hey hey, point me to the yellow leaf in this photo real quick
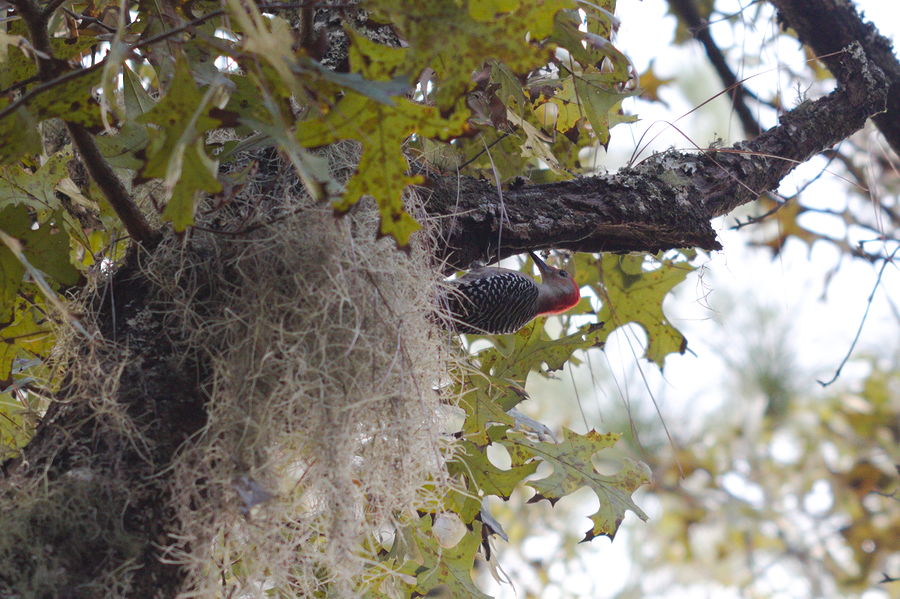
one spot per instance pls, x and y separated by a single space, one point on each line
633 293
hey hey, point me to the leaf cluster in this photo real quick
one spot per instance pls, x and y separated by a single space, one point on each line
153 86
175 95
778 496
490 384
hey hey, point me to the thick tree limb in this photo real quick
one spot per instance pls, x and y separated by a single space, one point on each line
665 202
826 26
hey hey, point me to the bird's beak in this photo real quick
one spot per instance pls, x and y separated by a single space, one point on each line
542 266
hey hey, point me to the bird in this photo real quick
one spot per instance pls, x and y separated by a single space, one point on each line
499 301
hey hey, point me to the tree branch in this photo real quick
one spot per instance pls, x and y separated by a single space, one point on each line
40 40
699 28
111 186
51 7
826 26
665 202
96 165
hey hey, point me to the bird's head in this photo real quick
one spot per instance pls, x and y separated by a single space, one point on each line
558 291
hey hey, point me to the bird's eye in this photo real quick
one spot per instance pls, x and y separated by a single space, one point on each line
564 274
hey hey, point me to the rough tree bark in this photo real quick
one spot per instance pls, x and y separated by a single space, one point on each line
665 202
827 26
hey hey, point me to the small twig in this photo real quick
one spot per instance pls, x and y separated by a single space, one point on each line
51 7
687 11
486 148
753 220
18 84
89 20
837 373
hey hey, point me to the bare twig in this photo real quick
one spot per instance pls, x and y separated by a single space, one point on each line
90 20
837 373
18 84
687 11
780 201
480 152
51 6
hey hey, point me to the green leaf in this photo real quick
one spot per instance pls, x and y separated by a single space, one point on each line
181 117
176 153
28 332
382 130
15 65
380 91
244 101
568 33
455 38
485 478
573 468
631 293
483 403
499 383
37 190
46 246
487 10
198 173
537 143
598 99
20 134
438 567
121 149
584 95
532 348
15 430
568 111
382 171
71 100
509 88
11 273
137 100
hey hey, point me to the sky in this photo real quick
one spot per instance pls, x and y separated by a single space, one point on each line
793 283
823 319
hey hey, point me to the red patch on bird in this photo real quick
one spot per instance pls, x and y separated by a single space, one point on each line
566 302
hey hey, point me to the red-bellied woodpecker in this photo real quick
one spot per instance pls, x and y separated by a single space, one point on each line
498 300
